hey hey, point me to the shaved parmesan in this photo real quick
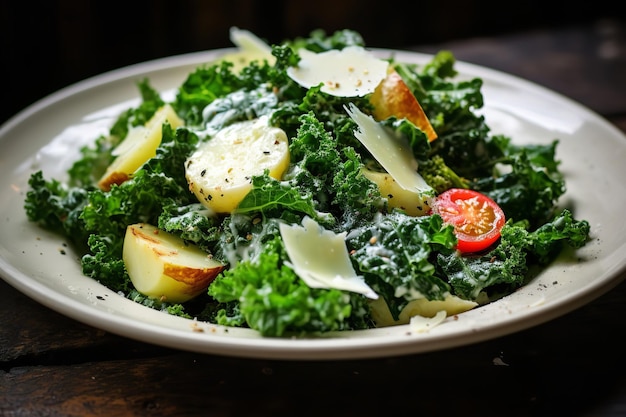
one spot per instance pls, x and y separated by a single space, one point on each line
351 72
248 41
320 258
391 152
421 324
249 48
452 305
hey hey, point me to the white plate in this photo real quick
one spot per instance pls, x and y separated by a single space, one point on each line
47 135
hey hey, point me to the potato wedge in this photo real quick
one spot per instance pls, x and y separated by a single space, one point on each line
163 266
219 173
397 197
138 147
393 97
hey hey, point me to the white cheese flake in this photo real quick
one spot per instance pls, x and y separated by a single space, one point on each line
320 258
420 324
391 152
350 72
249 48
248 41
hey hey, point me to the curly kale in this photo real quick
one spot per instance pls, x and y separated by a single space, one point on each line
202 87
269 297
319 40
523 179
192 223
399 275
506 266
531 187
57 207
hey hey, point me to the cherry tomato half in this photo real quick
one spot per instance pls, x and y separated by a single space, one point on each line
476 218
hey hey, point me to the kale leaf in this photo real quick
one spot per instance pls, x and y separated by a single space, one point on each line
506 266
272 299
57 207
396 255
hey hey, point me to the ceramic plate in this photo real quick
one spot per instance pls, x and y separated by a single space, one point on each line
48 134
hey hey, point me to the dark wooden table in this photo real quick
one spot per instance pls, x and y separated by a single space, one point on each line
573 365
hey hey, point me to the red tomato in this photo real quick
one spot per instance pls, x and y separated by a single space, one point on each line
476 218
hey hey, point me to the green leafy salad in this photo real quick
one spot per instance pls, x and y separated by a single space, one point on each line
308 187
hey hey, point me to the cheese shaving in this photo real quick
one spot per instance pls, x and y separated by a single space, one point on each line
320 258
351 72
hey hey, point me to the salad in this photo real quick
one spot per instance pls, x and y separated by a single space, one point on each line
307 187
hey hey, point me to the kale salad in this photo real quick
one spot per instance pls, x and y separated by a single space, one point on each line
307 187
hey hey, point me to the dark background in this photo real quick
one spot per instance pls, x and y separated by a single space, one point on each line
49 45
